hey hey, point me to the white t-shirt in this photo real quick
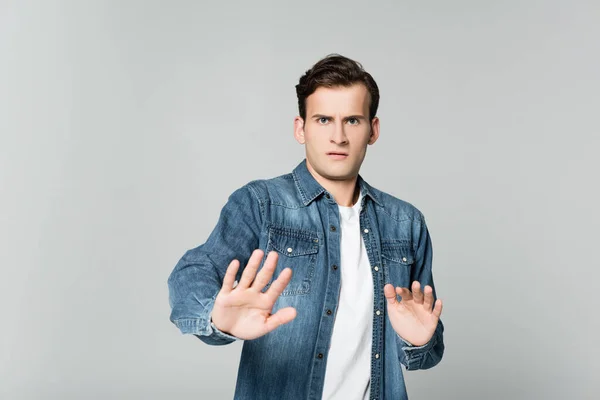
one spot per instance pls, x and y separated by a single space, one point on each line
348 372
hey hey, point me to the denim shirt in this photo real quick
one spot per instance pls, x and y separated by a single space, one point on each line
295 216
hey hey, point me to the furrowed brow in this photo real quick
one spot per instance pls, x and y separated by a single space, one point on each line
358 116
317 116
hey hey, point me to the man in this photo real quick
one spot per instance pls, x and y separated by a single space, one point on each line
306 267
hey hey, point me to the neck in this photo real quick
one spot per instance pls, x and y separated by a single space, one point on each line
344 191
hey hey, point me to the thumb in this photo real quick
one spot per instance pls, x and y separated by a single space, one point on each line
281 317
390 294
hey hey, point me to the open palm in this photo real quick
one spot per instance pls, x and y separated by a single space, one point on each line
244 311
414 318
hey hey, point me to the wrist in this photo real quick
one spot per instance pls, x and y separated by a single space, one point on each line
216 328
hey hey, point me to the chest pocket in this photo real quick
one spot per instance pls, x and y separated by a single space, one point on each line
298 251
398 259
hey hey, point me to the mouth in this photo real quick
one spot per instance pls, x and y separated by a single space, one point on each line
337 155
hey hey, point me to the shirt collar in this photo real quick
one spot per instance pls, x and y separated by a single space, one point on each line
309 189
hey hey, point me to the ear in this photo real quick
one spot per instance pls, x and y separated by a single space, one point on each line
299 130
374 130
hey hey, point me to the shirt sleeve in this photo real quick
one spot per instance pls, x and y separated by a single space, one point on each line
429 354
198 276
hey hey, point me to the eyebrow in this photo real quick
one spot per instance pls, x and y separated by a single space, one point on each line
357 116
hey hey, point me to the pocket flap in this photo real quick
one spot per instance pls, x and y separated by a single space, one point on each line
399 251
293 243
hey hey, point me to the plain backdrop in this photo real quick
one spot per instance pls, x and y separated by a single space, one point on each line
125 125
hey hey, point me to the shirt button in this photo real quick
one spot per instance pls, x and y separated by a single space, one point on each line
328 312
332 228
377 312
366 231
376 268
404 259
320 355
335 266
377 355
289 249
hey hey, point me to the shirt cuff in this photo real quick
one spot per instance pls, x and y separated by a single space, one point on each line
414 354
220 334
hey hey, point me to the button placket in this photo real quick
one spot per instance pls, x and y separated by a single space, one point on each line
371 240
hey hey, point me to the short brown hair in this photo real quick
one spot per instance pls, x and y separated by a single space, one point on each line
335 70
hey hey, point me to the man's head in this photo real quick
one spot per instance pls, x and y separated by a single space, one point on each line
337 101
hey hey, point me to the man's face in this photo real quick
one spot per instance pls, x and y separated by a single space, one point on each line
336 131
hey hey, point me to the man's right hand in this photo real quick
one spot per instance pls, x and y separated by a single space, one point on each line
245 311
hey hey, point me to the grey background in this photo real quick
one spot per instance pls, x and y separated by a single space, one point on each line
126 124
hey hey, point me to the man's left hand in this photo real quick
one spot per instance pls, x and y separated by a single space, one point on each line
414 318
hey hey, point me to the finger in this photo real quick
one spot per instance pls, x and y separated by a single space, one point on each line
266 273
428 302
250 270
416 292
390 294
404 293
281 317
230 274
279 284
437 310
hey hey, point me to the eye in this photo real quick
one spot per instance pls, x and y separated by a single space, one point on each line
353 121
323 120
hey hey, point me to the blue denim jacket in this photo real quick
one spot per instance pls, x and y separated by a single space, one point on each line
294 212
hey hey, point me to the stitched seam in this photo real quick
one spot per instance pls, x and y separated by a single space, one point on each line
294 232
396 219
304 197
419 227
288 206
260 202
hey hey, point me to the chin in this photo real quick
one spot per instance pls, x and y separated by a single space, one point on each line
333 170
336 174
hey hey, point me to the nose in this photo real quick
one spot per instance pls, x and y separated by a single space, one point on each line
339 136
